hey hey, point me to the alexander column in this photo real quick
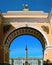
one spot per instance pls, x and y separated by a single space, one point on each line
26 60
26 54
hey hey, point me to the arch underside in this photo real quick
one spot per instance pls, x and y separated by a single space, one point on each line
25 31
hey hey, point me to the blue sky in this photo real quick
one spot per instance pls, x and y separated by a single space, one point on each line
18 45
44 5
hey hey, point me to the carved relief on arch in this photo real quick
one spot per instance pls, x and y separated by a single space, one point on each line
25 31
45 28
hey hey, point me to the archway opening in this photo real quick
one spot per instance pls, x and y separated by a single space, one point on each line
25 31
17 50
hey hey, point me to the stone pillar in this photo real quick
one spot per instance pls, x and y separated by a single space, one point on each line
1 54
4 56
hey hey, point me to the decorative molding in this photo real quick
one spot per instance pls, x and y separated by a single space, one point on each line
45 28
25 31
37 20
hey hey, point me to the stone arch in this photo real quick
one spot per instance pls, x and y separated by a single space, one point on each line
42 32
25 31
